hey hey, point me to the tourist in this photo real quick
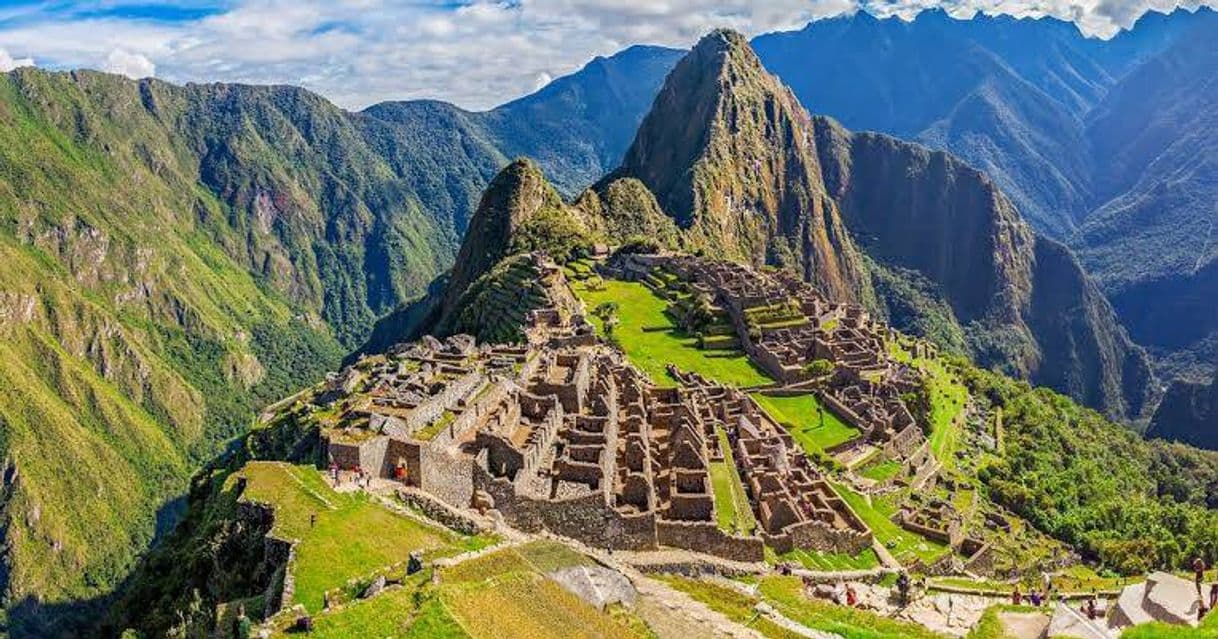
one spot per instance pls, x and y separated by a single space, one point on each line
852 597
839 593
1016 596
334 472
312 519
1091 608
1198 571
241 624
1047 580
903 588
1035 599
1213 595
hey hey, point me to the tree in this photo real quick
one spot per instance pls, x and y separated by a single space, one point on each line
819 367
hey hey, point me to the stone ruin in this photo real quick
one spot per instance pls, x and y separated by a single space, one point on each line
560 433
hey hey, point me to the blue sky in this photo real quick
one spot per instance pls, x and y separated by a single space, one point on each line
477 53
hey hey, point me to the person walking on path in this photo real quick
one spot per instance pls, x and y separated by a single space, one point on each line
1198 571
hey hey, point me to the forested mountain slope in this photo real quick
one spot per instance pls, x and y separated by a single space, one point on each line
176 257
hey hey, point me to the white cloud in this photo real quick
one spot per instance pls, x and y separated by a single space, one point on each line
132 65
8 62
482 53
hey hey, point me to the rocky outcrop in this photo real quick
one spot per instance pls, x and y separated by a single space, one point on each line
729 153
1188 413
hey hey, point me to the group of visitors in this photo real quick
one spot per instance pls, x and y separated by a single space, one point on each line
1035 598
362 478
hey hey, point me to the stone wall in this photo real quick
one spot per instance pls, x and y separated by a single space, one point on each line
368 455
447 476
587 518
818 535
277 555
706 537
431 409
439 511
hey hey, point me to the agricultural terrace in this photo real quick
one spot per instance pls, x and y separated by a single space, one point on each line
877 513
810 423
785 595
651 340
733 512
352 535
506 594
501 594
831 561
948 397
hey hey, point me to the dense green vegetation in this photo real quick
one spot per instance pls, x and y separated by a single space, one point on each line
1129 503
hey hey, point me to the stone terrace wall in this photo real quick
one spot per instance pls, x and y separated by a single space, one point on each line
439 511
447 476
587 518
706 537
278 554
818 535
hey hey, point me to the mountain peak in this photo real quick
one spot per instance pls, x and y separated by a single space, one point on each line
729 153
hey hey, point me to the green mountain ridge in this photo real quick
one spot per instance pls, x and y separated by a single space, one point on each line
178 256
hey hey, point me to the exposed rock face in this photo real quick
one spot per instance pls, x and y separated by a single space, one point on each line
729 153
1188 413
1023 300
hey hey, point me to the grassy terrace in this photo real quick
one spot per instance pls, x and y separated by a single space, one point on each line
813 560
651 340
502 594
732 508
947 400
881 471
785 595
813 426
900 542
353 534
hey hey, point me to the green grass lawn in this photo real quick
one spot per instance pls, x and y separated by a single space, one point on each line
401 613
504 594
785 595
651 341
881 471
814 430
813 560
353 534
732 510
947 400
900 542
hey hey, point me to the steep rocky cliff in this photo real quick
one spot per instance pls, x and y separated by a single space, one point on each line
1188 413
1024 303
728 152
